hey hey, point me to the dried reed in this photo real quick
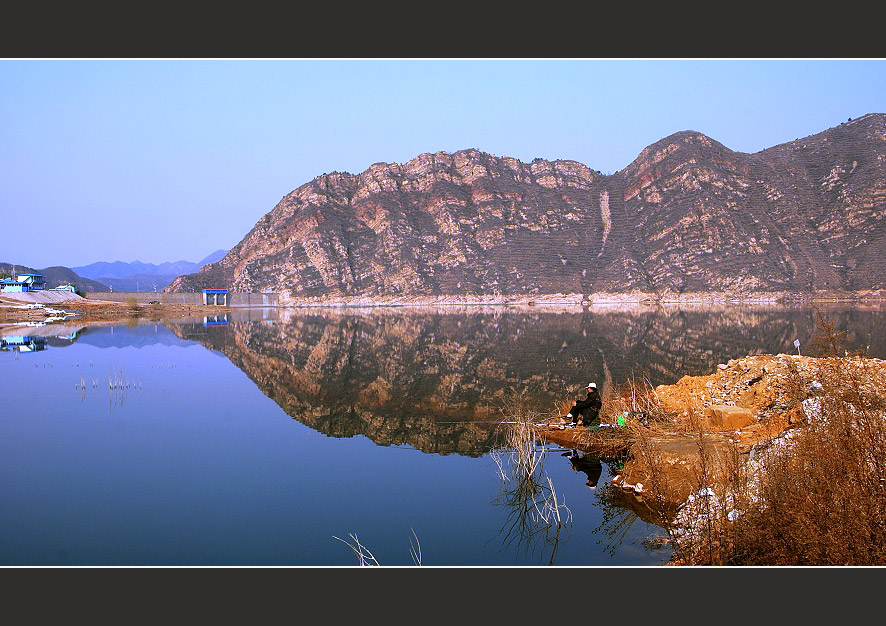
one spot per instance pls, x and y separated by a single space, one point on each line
364 556
535 510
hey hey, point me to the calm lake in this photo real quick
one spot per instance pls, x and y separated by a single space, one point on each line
268 437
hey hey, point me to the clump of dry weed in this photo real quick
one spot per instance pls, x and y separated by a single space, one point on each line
814 496
536 514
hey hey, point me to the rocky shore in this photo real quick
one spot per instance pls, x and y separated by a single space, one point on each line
745 404
700 433
578 301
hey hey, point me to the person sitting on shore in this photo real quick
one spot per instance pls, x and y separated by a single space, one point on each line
588 410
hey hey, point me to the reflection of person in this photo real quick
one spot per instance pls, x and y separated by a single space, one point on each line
588 409
589 465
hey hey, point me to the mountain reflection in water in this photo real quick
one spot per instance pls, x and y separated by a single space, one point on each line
442 381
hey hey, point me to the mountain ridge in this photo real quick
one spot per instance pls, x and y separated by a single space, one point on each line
122 269
124 277
137 276
687 216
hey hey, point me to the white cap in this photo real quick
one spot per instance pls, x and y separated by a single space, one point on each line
592 385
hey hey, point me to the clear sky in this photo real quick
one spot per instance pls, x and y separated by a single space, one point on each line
166 160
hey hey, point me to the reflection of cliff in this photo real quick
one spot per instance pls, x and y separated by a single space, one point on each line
439 381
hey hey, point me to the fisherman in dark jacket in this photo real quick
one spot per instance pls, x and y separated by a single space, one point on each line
588 409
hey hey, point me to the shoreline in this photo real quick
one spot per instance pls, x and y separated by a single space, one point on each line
44 309
602 299
718 434
13 306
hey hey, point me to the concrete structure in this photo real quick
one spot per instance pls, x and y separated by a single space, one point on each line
234 300
215 296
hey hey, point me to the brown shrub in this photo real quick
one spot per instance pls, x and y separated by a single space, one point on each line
821 498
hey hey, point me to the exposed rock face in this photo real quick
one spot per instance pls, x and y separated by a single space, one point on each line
687 216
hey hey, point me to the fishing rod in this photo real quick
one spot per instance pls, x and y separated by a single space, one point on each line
486 422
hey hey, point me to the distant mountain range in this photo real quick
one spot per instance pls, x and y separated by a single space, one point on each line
104 276
138 276
119 269
55 275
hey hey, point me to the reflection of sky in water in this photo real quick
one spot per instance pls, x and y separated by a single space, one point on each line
192 464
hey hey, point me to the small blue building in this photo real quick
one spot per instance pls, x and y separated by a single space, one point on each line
215 296
11 284
23 283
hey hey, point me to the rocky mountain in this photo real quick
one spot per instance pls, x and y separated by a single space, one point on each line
688 217
121 269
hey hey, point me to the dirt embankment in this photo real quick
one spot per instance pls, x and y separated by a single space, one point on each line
51 307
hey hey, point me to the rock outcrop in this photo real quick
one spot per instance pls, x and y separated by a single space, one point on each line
741 408
688 216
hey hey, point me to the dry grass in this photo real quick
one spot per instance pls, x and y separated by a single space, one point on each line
363 554
637 402
822 499
814 496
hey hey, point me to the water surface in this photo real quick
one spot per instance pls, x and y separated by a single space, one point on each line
258 437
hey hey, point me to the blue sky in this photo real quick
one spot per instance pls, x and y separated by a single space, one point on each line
167 160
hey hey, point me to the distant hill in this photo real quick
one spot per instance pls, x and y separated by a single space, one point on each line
138 276
120 269
138 282
59 275
55 276
117 276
